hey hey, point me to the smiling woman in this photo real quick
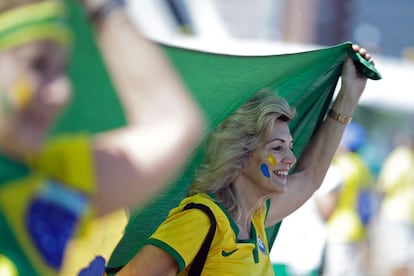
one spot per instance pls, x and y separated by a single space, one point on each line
247 159
245 181
232 143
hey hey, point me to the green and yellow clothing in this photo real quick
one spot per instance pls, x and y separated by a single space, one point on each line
41 211
396 180
345 224
183 232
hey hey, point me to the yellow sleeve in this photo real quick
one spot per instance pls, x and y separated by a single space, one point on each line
182 234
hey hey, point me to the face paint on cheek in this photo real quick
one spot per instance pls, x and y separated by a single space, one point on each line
265 170
17 98
272 160
22 93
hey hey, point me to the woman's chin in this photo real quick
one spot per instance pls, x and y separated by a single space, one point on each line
281 187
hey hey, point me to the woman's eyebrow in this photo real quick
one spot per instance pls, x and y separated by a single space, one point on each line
281 140
278 139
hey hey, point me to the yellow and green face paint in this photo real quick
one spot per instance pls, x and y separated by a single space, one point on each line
19 98
32 22
265 169
22 93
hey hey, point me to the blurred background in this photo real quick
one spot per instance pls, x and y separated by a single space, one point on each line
284 26
385 113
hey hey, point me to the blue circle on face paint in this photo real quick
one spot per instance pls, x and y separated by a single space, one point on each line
265 170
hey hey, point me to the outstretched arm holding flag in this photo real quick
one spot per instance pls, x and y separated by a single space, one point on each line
315 160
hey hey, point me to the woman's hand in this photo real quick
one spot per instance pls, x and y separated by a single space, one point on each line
352 81
90 5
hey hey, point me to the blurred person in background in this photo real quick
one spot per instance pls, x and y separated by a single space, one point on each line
346 249
71 177
394 243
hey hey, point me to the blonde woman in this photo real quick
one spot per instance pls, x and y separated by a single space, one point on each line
246 185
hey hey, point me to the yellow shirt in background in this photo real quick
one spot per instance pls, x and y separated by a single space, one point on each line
396 180
345 224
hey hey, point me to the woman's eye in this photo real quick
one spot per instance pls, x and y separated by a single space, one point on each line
277 148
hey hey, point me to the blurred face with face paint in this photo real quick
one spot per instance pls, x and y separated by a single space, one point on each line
33 87
268 166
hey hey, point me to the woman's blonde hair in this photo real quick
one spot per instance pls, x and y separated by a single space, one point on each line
231 143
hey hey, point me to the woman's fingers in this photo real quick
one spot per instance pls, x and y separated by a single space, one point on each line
363 52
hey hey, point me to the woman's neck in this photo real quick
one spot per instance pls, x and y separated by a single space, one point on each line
250 201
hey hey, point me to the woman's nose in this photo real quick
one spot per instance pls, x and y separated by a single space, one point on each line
290 159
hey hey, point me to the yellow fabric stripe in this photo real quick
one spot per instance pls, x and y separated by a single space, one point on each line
29 13
57 33
44 20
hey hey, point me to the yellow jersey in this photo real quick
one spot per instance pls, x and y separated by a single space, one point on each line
183 232
396 180
345 224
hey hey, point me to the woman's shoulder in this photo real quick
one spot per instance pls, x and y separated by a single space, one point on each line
194 216
207 200
187 213
200 198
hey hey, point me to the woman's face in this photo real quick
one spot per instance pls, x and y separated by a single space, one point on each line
269 165
33 89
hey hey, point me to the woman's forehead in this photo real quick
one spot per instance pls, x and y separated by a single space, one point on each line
280 132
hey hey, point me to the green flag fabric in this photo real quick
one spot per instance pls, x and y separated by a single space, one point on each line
221 84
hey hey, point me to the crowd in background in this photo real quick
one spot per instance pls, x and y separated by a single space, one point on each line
361 222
